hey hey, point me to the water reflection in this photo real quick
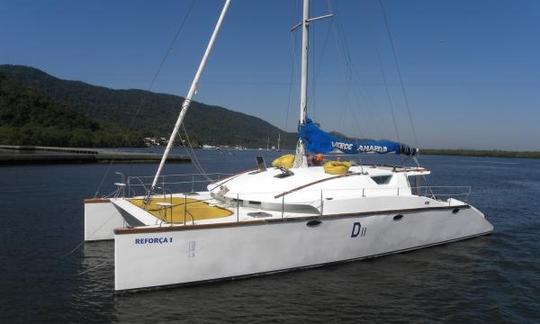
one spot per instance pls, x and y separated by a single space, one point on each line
494 278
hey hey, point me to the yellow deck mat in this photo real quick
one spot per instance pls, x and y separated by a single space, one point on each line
181 209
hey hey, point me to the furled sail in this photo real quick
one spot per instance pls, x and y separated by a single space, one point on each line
318 141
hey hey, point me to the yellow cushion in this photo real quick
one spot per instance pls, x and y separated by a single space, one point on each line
336 167
285 161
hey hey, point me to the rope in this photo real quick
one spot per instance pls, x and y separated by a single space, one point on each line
193 156
151 85
94 267
317 69
388 96
171 44
341 51
82 242
291 78
74 249
296 9
398 68
356 94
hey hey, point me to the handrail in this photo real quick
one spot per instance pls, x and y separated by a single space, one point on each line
190 178
226 180
419 190
181 175
130 184
316 200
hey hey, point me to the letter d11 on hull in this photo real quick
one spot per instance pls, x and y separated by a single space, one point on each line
147 258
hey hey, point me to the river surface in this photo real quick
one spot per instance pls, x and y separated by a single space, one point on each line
44 277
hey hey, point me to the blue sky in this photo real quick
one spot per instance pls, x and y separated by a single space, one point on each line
470 69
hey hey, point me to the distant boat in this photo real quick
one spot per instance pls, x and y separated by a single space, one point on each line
294 214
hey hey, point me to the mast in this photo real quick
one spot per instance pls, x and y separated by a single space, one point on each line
300 159
191 92
304 68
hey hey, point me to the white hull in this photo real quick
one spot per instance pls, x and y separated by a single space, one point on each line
154 257
100 220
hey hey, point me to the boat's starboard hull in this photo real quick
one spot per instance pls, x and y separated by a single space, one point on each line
147 258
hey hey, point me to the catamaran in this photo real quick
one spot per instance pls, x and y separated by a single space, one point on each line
299 213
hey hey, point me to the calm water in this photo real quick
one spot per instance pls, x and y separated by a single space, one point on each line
489 279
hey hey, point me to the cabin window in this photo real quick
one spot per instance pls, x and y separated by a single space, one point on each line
415 182
384 179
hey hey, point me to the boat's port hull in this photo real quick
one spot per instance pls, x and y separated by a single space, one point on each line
100 219
147 258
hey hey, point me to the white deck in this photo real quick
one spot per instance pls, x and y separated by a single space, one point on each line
276 198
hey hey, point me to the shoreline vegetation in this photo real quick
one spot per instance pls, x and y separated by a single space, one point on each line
37 109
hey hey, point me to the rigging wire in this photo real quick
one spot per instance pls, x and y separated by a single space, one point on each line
292 38
359 93
171 44
388 96
291 78
193 156
398 68
342 48
151 85
353 75
317 70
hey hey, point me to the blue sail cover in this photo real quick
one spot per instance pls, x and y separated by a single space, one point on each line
319 141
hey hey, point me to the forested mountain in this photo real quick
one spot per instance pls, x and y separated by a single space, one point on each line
150 113
27 117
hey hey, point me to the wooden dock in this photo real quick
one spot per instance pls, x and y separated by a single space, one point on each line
13 155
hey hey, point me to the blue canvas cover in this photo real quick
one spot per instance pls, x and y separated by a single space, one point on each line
318 141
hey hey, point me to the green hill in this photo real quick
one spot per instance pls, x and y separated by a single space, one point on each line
27 117
151 113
